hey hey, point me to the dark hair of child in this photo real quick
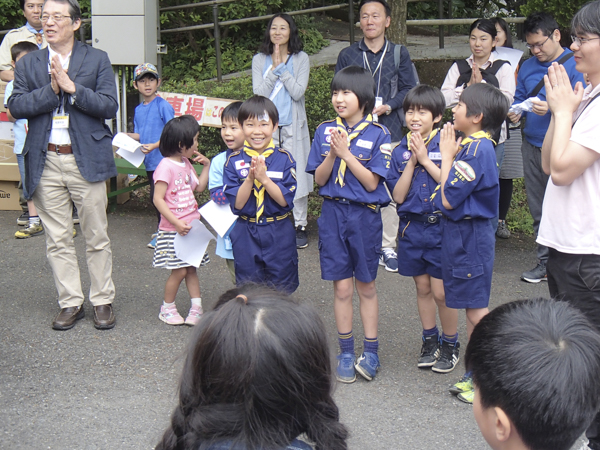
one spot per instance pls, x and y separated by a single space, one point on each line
178 133
539 21
257 374
358 80
486 25
145 76
22 47
388 10
426 97
538 360
483 98
502 23
255 107
587 20
231 111
295 45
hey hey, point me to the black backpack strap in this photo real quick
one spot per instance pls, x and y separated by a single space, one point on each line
464 69
589 103
489 74
538 87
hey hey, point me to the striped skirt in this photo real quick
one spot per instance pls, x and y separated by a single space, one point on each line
164 253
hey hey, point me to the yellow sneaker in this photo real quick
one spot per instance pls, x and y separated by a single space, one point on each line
464 385
29 231
466 396
74 231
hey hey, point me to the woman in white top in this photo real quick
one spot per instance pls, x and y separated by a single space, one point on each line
280 72
483 66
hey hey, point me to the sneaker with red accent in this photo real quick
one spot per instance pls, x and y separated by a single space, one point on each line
194 315
169 315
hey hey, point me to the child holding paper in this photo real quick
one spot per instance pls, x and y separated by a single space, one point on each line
175 182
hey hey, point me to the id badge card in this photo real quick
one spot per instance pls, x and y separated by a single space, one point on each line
60 121
378 103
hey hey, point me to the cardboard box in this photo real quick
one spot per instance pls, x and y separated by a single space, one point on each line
9 196
122 182
9 168
6 131
3 86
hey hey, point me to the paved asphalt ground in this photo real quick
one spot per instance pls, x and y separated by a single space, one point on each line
115 389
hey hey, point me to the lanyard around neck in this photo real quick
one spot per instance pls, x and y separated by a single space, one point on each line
366 65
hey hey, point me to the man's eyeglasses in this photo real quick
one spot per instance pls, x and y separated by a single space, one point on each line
57 18
580 41
534 46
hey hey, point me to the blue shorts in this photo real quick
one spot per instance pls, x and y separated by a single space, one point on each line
468 252
349 241
419 248
266 254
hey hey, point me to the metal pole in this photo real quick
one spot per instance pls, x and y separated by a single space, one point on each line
81 33
450 16
441 29
119 106
124 98
217 41
351 19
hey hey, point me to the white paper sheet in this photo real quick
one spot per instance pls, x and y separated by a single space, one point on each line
129 149
220 217
512 55
191 247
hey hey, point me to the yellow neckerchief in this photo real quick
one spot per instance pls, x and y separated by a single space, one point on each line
340 125
259 190
474 137
426 141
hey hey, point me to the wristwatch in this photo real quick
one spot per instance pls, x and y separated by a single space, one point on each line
389 110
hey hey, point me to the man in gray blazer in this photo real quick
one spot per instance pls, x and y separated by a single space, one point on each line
66 91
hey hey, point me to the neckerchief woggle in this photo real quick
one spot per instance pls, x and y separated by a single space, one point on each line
340 125
259 189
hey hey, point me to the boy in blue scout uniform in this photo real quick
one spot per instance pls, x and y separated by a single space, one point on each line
414 174
468 199
259 183
350 157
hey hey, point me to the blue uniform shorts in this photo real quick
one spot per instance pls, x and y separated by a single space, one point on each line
419 248
266 253
468 255
349 241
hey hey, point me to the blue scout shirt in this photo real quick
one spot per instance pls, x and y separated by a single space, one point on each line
372 147
472 187
418 199
281 168
149 121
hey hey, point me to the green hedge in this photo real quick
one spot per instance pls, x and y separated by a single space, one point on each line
318 109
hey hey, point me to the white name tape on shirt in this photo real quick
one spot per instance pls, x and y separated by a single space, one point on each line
273 174
364 144
465 170
435 156
329 130
242 165
386 149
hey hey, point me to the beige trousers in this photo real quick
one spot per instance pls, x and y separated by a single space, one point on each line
60 184
391 221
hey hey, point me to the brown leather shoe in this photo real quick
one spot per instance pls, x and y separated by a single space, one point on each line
67 317
104 318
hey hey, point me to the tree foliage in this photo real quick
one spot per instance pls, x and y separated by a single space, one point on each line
562 11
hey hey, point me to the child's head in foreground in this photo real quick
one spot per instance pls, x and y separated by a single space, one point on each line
535 367
180 136
258 372
481 107
231 130
353 93
20 49
259 119
423 108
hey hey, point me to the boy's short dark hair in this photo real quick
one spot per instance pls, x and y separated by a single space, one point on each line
539 21
483 98
22 47
358 80
177 134
231 112
255 107
587 20
538 360
425 97
388 10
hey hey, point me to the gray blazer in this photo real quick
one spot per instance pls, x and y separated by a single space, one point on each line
94 101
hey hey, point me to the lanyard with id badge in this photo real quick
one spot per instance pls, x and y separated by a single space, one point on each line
378 99
60 119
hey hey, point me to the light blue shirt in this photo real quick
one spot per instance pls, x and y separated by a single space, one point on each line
20 126
282 100
215 180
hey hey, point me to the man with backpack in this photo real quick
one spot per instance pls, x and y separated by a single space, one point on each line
394 75
543 40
